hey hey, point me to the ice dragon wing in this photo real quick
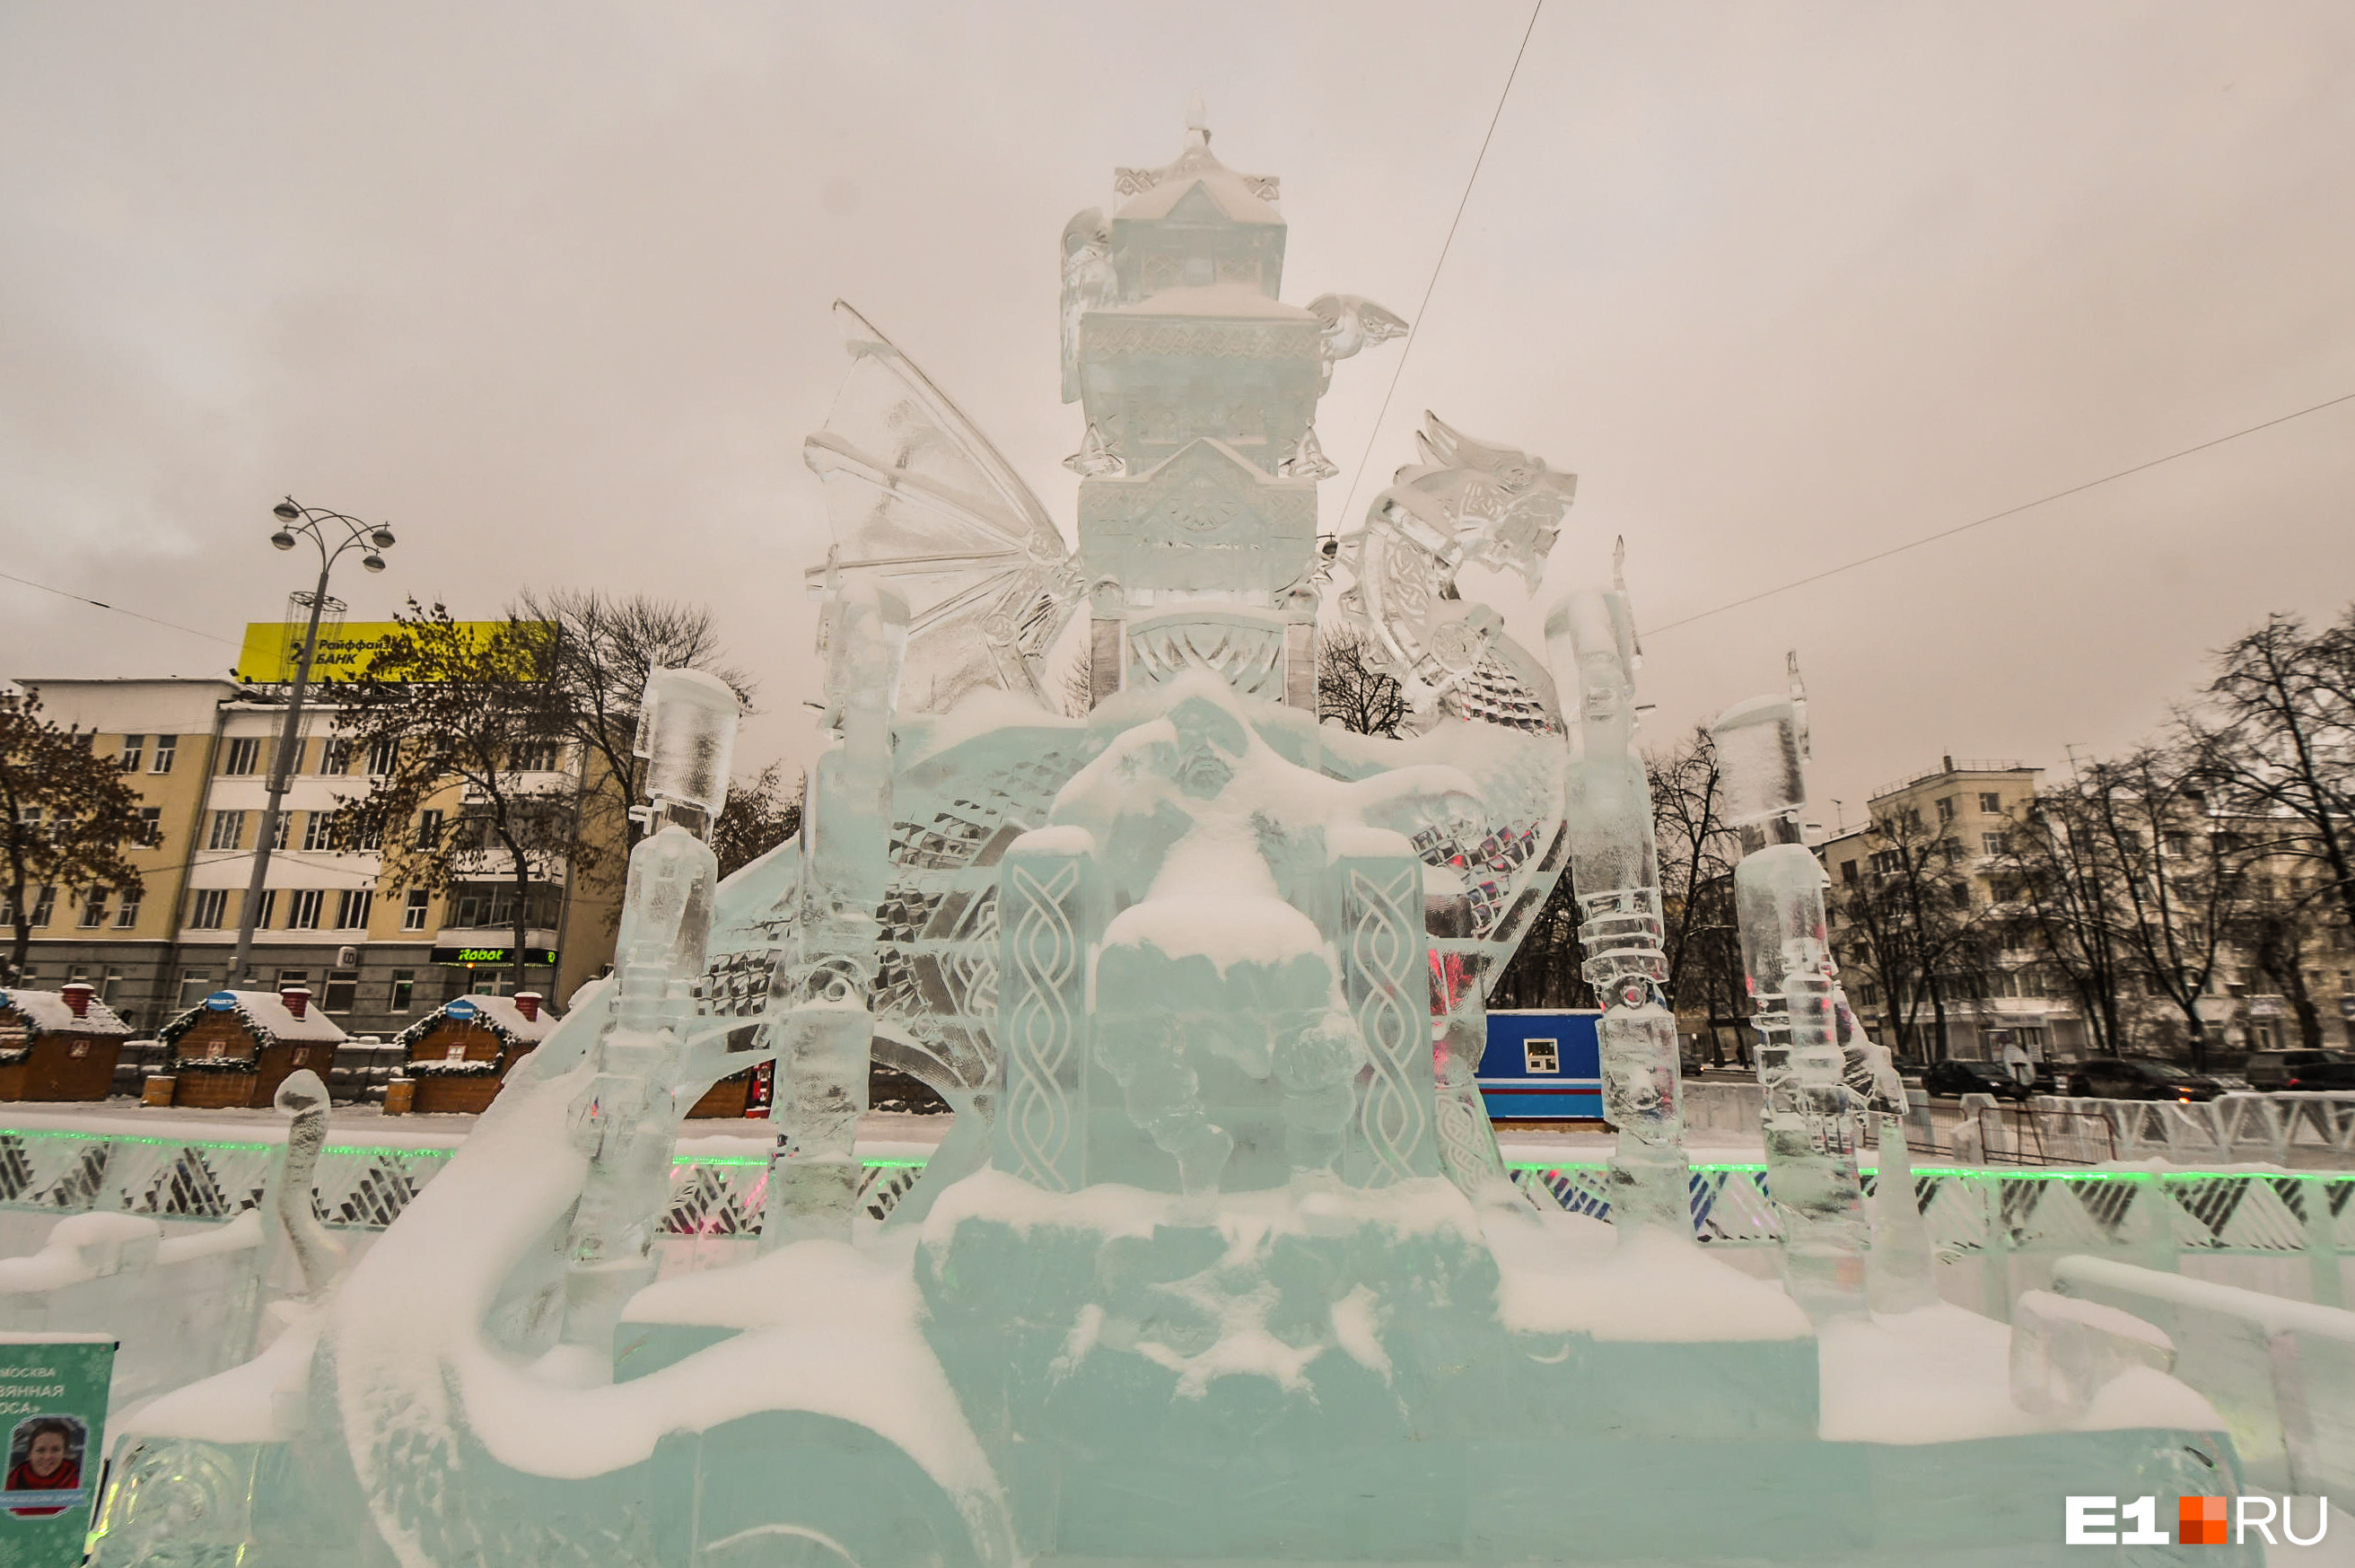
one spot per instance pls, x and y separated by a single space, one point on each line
918 496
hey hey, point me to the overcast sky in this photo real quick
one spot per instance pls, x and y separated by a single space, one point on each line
546 285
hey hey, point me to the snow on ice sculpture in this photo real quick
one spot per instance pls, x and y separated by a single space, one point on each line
1218 1263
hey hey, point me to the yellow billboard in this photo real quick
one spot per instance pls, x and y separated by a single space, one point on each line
273 649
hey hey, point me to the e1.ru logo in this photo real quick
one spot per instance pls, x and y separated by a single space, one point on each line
2198 1522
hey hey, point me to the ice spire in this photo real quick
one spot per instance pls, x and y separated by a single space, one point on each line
1778 893
1591 640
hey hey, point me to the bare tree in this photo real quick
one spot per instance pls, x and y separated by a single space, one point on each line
1908 925
2059 892
441 707
65 818
2275 737
1352 690
601 648
760 813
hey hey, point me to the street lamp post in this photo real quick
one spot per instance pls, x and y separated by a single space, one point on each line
313 523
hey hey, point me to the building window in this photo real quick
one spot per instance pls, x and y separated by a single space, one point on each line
93 908
166 747
243 756
1541 1056
45 904
335 756
404 990
286 828
429 830
126 913
267 909
535 756
196 985
343 990
208 907
314 831
2179 844
1847 871
352 907
369 839
1991 804
1995 844
29 818
412 915
1945 809
134 746
151 827
228 830
302 914
380 758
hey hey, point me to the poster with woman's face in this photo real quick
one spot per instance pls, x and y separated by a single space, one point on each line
45 1455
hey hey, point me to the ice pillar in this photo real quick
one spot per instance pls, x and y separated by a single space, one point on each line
818 990
628 1117
1809 1115
1045 924
1459 1035
1614 867
1383 956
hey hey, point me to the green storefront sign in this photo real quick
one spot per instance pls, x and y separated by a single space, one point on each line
539 955
53 1391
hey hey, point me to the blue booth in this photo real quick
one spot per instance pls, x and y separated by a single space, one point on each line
1541 1066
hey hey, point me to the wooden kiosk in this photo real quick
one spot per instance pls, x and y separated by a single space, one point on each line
58 1045
235 1048
458 1054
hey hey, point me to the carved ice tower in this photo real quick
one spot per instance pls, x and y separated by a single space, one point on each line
1198 498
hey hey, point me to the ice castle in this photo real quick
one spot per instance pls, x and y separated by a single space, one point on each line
1218 1263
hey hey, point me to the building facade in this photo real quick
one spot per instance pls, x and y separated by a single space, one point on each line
1959 814
376 955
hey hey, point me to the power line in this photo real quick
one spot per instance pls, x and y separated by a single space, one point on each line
1997 516
118 609
1414 328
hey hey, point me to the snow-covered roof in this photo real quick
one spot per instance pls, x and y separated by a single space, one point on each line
1237 197
265 1015
497 1014
45 1012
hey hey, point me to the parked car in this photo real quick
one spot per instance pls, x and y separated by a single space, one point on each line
1951 1077
2339 1073
2275 1068
2138 1078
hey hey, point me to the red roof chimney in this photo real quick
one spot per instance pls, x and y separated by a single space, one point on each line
296 997
528 1004
78 996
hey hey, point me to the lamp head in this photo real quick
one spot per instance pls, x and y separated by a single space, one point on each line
372 561
281 540
381 538
286 511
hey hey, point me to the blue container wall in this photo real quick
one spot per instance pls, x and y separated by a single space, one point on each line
1514 1092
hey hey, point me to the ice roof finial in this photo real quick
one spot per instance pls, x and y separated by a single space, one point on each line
1198 121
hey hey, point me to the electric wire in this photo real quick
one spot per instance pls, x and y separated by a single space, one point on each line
1414 328
1995 517
117 609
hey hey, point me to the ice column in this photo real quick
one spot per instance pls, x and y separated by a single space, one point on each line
1046 918
628 1117
819 993
1778 891
1459 1034
1383 956
1614 867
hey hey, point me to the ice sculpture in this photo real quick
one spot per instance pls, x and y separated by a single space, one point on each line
1220 1261
1614 862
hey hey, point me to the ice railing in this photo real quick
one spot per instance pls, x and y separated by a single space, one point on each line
1969 1210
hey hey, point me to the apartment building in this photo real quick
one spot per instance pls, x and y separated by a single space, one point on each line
376 955
1968 803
